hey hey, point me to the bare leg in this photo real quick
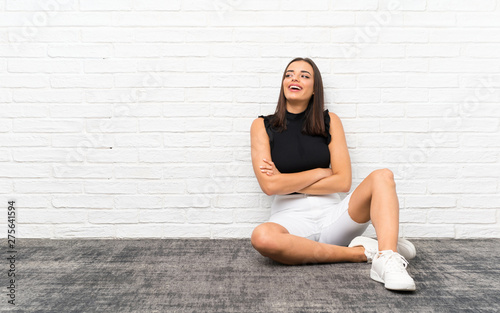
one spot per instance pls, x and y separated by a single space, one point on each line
273 240
376 199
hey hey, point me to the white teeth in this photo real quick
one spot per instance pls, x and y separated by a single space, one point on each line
295 87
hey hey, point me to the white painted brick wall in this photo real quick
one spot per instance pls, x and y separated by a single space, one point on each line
123 119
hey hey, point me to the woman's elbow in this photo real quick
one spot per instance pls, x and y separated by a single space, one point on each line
268 188
346 186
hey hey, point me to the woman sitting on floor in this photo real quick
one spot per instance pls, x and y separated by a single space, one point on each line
300 155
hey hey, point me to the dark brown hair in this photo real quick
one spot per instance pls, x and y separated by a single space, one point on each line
315 121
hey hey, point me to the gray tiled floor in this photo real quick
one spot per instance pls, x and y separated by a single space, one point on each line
152 275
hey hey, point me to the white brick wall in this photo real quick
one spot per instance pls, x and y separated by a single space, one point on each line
131 118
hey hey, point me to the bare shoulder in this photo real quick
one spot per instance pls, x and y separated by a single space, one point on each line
257 125
334 120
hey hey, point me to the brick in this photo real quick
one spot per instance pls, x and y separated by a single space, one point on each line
37 216
82 141
6 186
192 139
429 201
433 50
462 186
426 231
457 65
187 201
51 126
139 231
24 110
47 186
339 81
96 5
209 186
232 231
52 95
480 170
163 187
234 201
426 19
380 110
29 201
84 231
241 140
5 96
475 201
163 216
432 80
379 140
124 125
83 171
138 202
209 216
185 171
159 18
431 110
356 66
110 187
80 50
82 201
403 36
330 18
381 80
80 110
112 155
460 124
137 110
412 216
5 125
251 216
36 231
25 171
461 35
153 5
81 81
405 95
477 231
186 231
163 155
114 216
403 125
482 50
110 66
32 65
45 155
131 172
483 140
475 216
27 50
405 65
34 5
23 81
356 95
133 140
361 125
461 5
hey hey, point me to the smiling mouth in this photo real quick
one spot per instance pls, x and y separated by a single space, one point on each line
294 88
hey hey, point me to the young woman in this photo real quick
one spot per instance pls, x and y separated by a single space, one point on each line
300 155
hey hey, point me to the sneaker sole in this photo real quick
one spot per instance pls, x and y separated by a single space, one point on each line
375 277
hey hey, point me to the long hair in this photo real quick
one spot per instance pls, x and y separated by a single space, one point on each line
314 117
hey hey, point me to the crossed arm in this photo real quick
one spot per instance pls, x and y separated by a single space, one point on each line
316 181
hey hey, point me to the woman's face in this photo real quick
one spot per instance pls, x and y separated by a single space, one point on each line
299 81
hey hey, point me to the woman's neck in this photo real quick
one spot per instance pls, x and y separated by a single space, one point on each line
296 108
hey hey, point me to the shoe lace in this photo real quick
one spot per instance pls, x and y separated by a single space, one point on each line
394 262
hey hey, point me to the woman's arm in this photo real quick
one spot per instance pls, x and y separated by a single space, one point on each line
341 179
275 182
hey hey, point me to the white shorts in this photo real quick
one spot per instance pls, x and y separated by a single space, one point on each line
322 218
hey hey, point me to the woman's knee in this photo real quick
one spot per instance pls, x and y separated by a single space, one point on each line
384 175
264 239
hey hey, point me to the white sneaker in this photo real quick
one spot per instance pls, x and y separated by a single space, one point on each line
370 245
389 268
405 247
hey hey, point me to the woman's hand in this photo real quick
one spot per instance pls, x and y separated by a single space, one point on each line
269 168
